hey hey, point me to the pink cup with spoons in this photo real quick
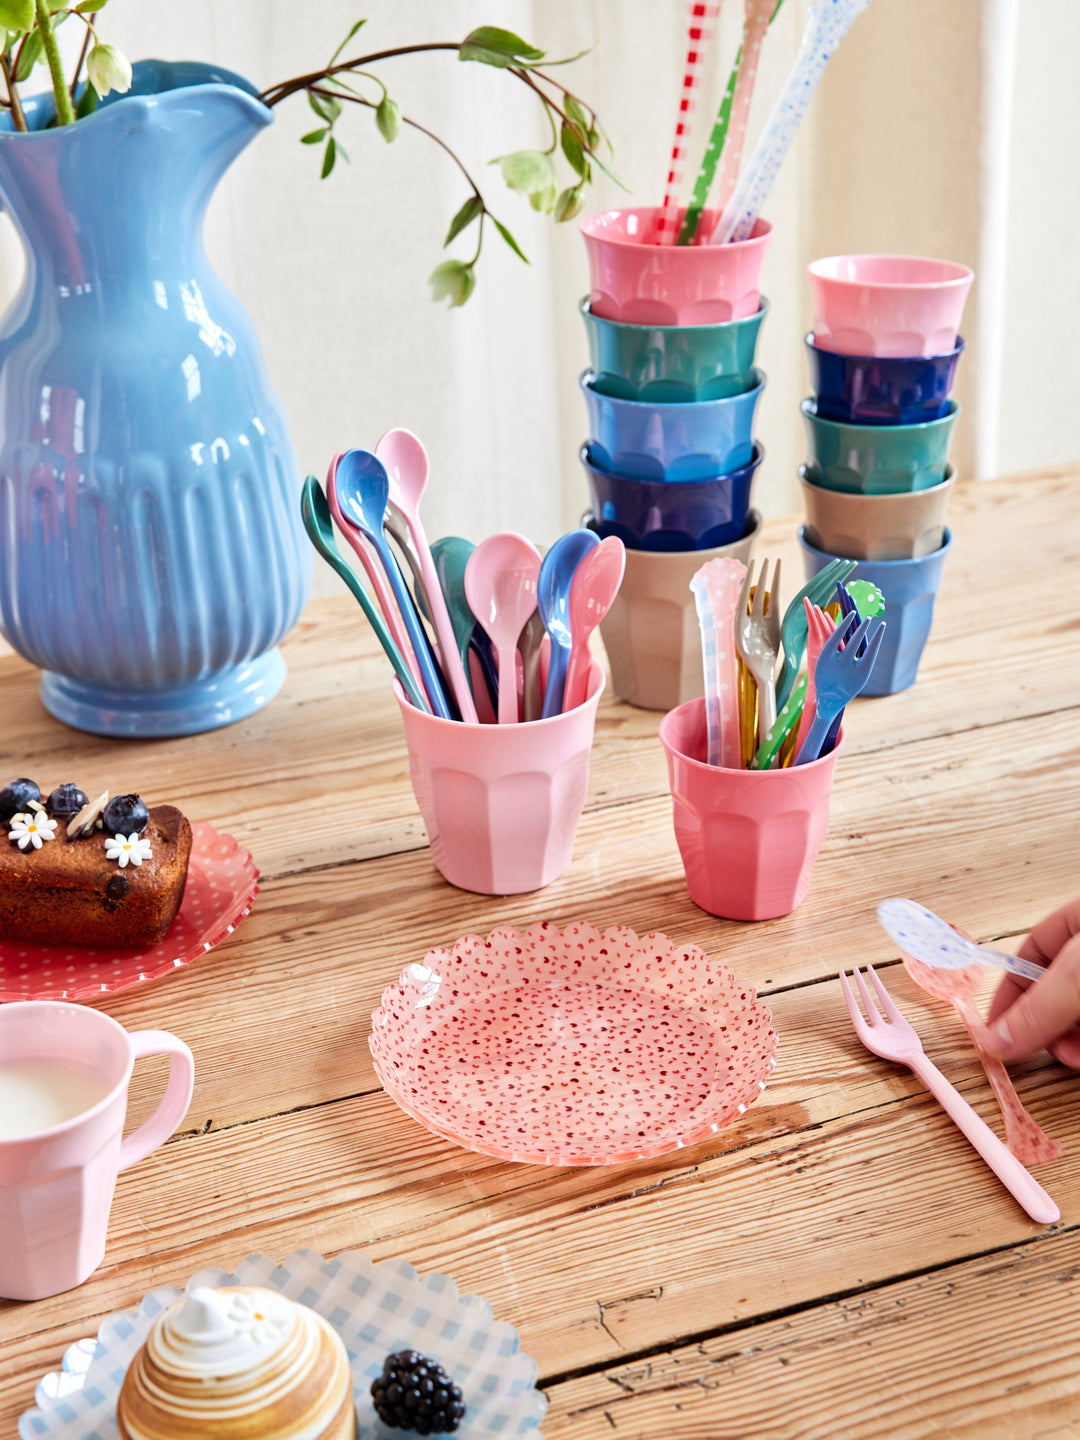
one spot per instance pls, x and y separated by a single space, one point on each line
501 803
64 1075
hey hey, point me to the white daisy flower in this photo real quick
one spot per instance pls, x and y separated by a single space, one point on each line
32 829
128 850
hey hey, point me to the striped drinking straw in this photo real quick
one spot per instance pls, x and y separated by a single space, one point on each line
701 17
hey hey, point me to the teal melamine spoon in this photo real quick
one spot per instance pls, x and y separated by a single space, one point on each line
315 512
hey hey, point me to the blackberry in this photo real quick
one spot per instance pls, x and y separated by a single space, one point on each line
125 814
415 1393
16 797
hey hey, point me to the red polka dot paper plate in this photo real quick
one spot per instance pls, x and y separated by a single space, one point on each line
572 1047
221 884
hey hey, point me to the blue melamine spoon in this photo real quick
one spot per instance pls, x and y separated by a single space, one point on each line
553 601
363 491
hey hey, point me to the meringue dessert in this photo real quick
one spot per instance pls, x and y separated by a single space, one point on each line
238 1362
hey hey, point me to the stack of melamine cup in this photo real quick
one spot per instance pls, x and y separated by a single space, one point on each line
883 355
671 394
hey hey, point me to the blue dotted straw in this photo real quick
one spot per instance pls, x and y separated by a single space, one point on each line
829 22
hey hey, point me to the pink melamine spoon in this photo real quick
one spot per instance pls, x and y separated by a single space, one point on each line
500 586
594 586
406 463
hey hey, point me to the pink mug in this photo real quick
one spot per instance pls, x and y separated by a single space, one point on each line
748 838
56 1183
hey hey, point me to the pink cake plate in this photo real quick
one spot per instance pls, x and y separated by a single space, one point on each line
572 1047
221 884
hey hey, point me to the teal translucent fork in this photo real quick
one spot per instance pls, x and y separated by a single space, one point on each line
818 591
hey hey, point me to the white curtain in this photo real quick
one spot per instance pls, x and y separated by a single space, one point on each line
942 127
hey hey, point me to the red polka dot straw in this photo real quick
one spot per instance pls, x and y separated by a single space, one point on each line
701 18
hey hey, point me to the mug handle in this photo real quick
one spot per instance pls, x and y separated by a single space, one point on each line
174 1103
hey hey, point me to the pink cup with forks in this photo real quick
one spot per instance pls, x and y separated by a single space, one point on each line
57 1179
749 839
501 803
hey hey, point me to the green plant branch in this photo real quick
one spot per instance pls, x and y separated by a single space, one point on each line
18 118
65 114
89 20
276 93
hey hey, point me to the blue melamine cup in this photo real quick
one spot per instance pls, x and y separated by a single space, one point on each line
646 440
909 587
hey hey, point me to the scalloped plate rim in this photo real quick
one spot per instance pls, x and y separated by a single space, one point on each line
237 910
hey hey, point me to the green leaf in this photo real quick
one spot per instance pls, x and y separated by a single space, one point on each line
610 174
388 119
473 207
29 55
88 102
491 46
544 200
532 172
508 238
329 157
90 7
576 112
453 280
570 203
17 14
107 69
324 106
344 42
570 137
314 137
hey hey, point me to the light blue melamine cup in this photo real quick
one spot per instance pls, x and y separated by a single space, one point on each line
643 440
910 588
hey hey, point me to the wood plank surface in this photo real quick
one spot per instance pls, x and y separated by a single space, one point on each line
839 1263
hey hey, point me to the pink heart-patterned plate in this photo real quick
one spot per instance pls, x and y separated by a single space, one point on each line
572 1048
221 884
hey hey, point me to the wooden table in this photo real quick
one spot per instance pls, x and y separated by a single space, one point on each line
839 1263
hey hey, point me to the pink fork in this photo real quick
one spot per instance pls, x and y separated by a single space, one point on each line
819 626
894 1039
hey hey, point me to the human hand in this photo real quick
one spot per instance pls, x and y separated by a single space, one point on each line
1026 1016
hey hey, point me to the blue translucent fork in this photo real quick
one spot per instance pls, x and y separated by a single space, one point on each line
842 670
793 630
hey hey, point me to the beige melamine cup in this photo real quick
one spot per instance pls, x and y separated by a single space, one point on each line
876 527
651 632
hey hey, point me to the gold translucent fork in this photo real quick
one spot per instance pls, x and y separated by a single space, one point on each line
757 639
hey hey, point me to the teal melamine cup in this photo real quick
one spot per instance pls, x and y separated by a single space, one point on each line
877 459
672 363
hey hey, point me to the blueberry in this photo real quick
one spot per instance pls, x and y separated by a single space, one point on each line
66 801
16 796
125 815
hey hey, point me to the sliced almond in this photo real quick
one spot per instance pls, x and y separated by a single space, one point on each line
37 805
83 823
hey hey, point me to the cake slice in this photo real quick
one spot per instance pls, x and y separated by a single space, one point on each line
77 880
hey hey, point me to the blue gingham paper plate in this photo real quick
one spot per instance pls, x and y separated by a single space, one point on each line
376 1309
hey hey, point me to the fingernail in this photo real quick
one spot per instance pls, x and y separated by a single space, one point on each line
1000 1036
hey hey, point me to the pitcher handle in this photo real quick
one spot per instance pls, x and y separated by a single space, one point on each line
174 1103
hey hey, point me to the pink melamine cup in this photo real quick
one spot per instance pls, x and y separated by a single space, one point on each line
56 1185
501 803
887 305
748 838
636 281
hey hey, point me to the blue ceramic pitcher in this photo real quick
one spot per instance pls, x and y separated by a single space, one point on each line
151 550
